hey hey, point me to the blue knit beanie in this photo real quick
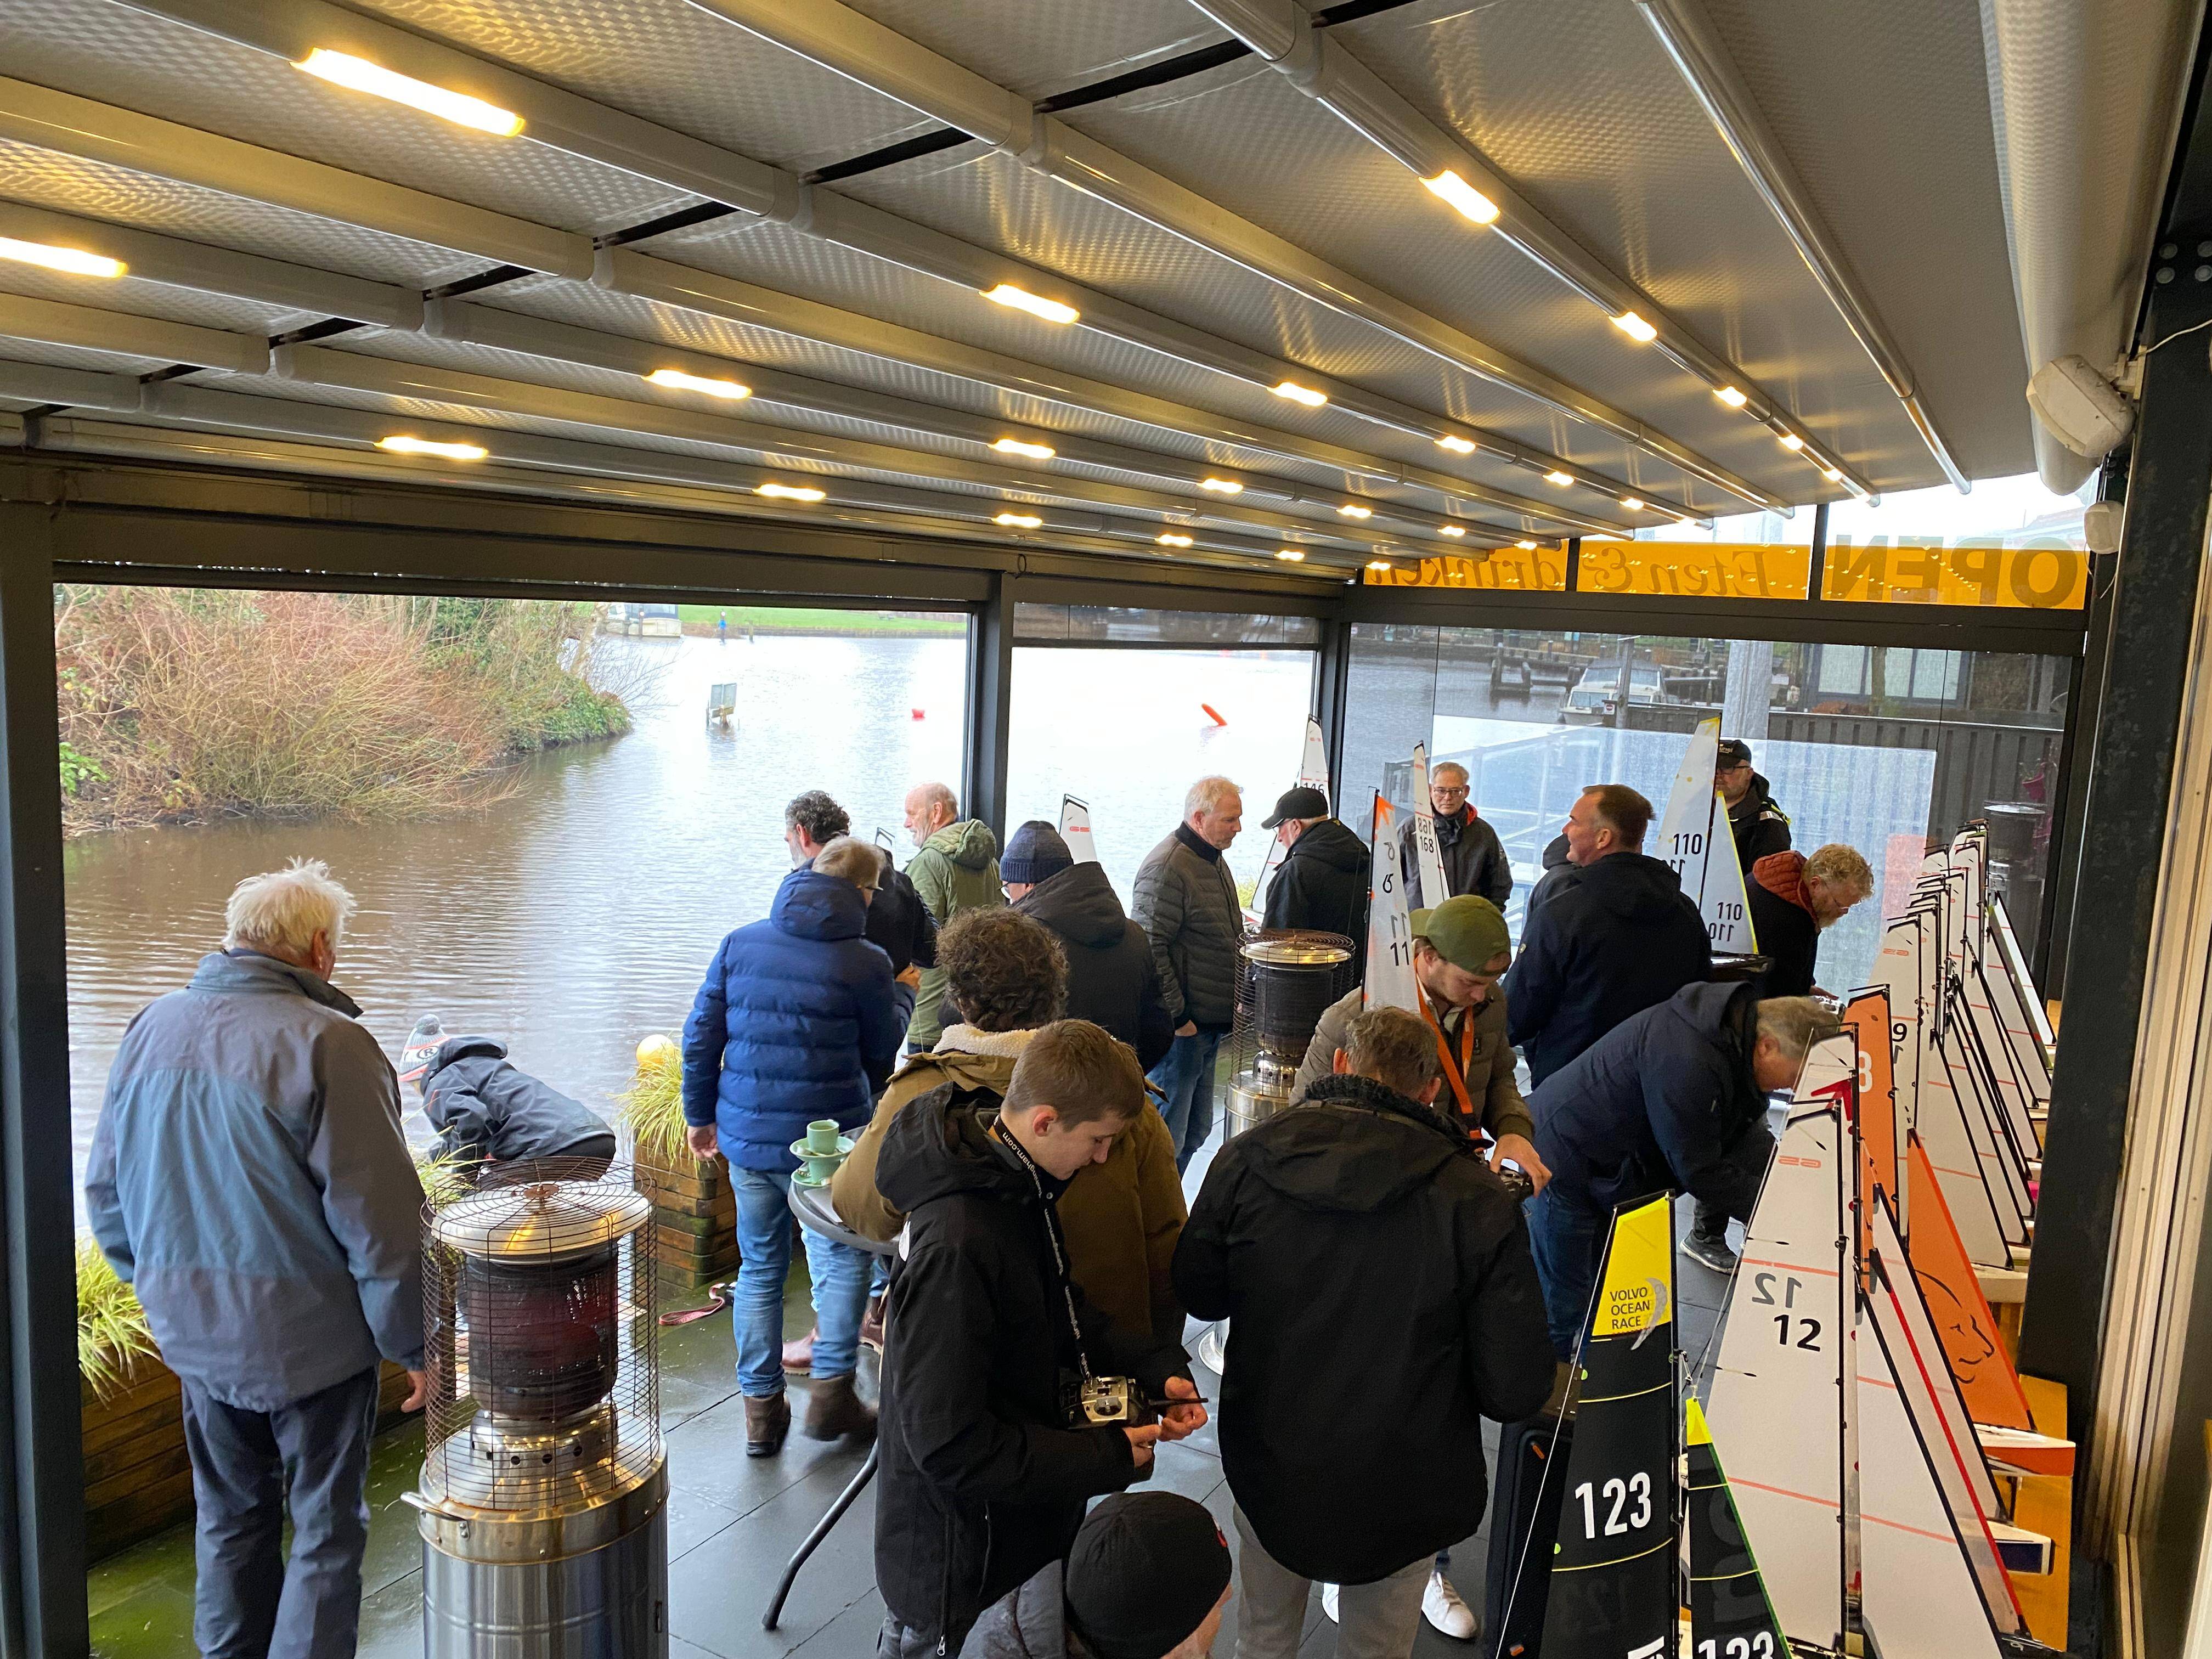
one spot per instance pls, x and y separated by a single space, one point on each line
1034 853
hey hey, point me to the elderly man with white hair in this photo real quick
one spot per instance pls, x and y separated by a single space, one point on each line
1185 898
249 1179
955 868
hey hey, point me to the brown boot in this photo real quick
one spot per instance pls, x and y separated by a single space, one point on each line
872 1324
836 1410
767 1421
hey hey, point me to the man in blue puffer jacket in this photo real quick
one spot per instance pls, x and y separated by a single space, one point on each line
799 1019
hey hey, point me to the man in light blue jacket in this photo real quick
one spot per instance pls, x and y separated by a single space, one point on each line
249 1178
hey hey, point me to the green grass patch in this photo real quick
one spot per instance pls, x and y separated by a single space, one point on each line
823 619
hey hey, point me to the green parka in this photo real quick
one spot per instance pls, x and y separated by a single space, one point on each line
955 870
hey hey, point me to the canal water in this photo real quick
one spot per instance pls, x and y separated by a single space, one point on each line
575 916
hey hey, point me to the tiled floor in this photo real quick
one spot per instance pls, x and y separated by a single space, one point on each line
732 1522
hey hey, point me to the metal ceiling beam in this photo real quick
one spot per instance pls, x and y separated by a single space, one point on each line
70 125
862 50
1323 68
597 132
1702 60
50 322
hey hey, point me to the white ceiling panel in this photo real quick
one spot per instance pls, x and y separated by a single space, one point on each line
60 356
1053 46
144 299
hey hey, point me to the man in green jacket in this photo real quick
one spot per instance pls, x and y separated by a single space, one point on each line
957 869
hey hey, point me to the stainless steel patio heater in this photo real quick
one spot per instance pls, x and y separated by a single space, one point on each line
544 1493
1290 978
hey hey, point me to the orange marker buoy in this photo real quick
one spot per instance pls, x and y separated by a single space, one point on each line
916 712
1216 713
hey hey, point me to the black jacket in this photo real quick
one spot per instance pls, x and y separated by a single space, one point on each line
1112 978
1760 828
981 1483
1185 899
1354 1243
1600 942
484 1108
1788 936
1474 858
900 922
1323 884
1665 1100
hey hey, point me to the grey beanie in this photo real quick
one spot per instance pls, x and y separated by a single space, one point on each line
1034 853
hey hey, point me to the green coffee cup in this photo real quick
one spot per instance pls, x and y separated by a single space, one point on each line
822 1136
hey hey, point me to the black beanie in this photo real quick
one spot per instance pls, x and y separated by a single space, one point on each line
1034 853
1143 1573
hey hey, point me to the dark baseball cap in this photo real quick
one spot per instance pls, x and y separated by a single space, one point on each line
1302 802
1143 1573
1733 751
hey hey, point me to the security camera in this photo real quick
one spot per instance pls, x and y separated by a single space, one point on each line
2080 407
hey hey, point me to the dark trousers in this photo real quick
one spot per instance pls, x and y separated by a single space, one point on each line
1711 1222
1567 1242
246 1466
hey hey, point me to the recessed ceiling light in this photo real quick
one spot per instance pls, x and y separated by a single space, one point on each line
1222 486
1635 327
1295 556
1687 523
788 492
75 261
1171 539
1451 530
1731 396
1791 440
1378 564
1022 299
1464 197
401 444
1019 521
343 69
731 390
1300 394
1562 479
1353 510
1017 447
1457 445
1526 547
1833 474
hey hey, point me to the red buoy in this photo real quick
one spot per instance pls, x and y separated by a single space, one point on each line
1216 713
917 714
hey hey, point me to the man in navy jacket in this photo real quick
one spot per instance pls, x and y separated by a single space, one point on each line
799 1018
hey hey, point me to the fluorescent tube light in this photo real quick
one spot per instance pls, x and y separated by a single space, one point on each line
1222 486
731 390
1016 447
1022 299
1525 546
1295 556
1633 503
788 492
1635 327
1451 530
1792 442
1562 479
344 69
1731 396
1019 521
1464 197
75 261
1171 539
1457 445
401 444
1300 394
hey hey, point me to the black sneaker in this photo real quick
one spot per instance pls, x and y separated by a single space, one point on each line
1712 1253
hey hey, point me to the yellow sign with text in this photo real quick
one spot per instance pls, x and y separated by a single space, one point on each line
1541 570
2036 578
1704 570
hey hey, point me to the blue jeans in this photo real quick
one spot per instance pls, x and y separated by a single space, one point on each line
1567 1242
1185 1077
247 1465
840 1274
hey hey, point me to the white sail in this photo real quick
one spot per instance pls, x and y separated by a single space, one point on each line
1778 1411
2027 1023
1390 981
1428 856
1075 829
1695 840
1313 774
1920 1594
2023 1085
1991 1156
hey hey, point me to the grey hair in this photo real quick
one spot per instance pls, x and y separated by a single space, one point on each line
854 860
1395 1049
1450 766
1206 796
286 908
933 795
1841 866
1795 1023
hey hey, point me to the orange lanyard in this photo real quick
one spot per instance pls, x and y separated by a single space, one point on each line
1455 1075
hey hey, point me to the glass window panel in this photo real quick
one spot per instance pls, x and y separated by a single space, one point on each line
1039 624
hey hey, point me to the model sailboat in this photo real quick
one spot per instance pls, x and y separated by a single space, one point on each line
1075 829
1731 1616
1429 859
1699 846
1389 981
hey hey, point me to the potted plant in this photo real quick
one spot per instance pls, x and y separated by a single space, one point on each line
695 1210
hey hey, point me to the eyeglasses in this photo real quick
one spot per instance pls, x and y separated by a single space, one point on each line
1448 789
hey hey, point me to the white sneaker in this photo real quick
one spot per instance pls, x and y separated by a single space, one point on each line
1441 1607
1329 1602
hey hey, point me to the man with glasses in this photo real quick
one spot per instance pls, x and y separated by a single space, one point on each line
1760 828
1474 858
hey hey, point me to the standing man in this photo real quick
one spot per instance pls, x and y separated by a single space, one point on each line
898 919
1672 1097
248 1179
1354 1238
1185 900
1473 858
1112 980
1611 934
1323 883
955 868
986 1460
799 1019
1760 828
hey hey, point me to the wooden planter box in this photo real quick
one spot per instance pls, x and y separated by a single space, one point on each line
138 1474
694 1223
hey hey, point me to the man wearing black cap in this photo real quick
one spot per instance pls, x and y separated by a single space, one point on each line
1322 884
1147 1578
1760 828
1112 978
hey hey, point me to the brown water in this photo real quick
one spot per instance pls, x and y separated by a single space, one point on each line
576 917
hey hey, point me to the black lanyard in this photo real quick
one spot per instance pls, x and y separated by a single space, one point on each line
1053 1236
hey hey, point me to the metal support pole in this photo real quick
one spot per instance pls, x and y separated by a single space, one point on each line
1331 678
42 1512
990 692
1816 574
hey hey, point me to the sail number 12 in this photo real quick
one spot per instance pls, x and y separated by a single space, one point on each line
1806 1331
1618 1492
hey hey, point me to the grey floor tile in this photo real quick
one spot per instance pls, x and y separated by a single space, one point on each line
392 1621
718 1592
